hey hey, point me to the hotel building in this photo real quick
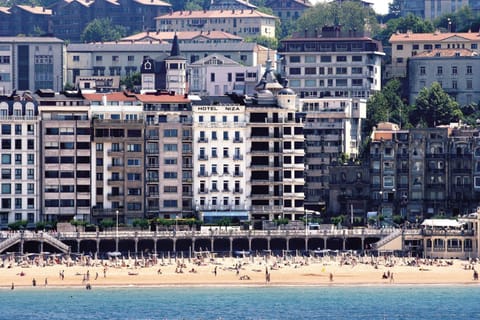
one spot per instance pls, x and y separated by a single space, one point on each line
220 182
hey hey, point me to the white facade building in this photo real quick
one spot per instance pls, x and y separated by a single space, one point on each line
216 75
220 186
20 176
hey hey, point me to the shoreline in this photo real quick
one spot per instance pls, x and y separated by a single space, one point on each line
236 273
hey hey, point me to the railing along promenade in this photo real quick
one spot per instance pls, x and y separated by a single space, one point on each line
219 232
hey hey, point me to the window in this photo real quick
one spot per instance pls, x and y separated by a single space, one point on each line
212 77
422 70
6 129
454 70
170 133
133 162
134 147
6 159
469 70
6 188
170 175
439 70
170 147
295 71
294 59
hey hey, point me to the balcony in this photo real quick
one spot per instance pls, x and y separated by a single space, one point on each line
151 151
202 139
152 165
203 174
202 157
114 181
202 191
237 140
114 195
114 151
237 190
238 174
151 179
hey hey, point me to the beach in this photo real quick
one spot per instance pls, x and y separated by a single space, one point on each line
246 271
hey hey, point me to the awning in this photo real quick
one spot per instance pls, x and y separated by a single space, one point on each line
226 214
442 223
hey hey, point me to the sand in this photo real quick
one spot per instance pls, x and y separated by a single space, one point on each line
248 271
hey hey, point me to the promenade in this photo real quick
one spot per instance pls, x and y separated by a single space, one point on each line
222 240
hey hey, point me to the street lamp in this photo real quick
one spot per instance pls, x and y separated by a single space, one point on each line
116 231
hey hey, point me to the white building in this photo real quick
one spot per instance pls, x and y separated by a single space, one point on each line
20 176
220 186
216 75
241 22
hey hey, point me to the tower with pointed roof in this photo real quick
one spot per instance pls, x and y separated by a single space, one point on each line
175 66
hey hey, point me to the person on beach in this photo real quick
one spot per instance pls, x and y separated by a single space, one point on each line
331 277
475 275
12 287
34 282
46 282
215 271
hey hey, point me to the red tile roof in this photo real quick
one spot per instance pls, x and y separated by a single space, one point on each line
112 96
163 98
436 36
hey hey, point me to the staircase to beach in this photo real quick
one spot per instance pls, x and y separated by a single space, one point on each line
31 236
10 241
388 239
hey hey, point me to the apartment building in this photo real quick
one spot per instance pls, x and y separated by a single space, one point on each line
275 151
453 69
118 157
220 181
332 64
69 18
431 10
65 180
245 23
288 10
183 37
333 127
168 155
407 45
216 75
31 63
120 59
20 169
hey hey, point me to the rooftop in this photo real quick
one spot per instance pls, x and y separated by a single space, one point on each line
436 36
209 14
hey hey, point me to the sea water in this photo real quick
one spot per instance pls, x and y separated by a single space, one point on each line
328 302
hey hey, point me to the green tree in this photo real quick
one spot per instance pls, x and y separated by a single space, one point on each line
143 224
107 223
433 107
265 41
350 15
132 80
461 20
387 105
404 24
101 30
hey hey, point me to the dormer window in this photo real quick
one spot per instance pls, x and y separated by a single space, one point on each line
148 65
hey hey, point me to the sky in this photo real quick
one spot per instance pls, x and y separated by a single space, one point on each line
380 6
